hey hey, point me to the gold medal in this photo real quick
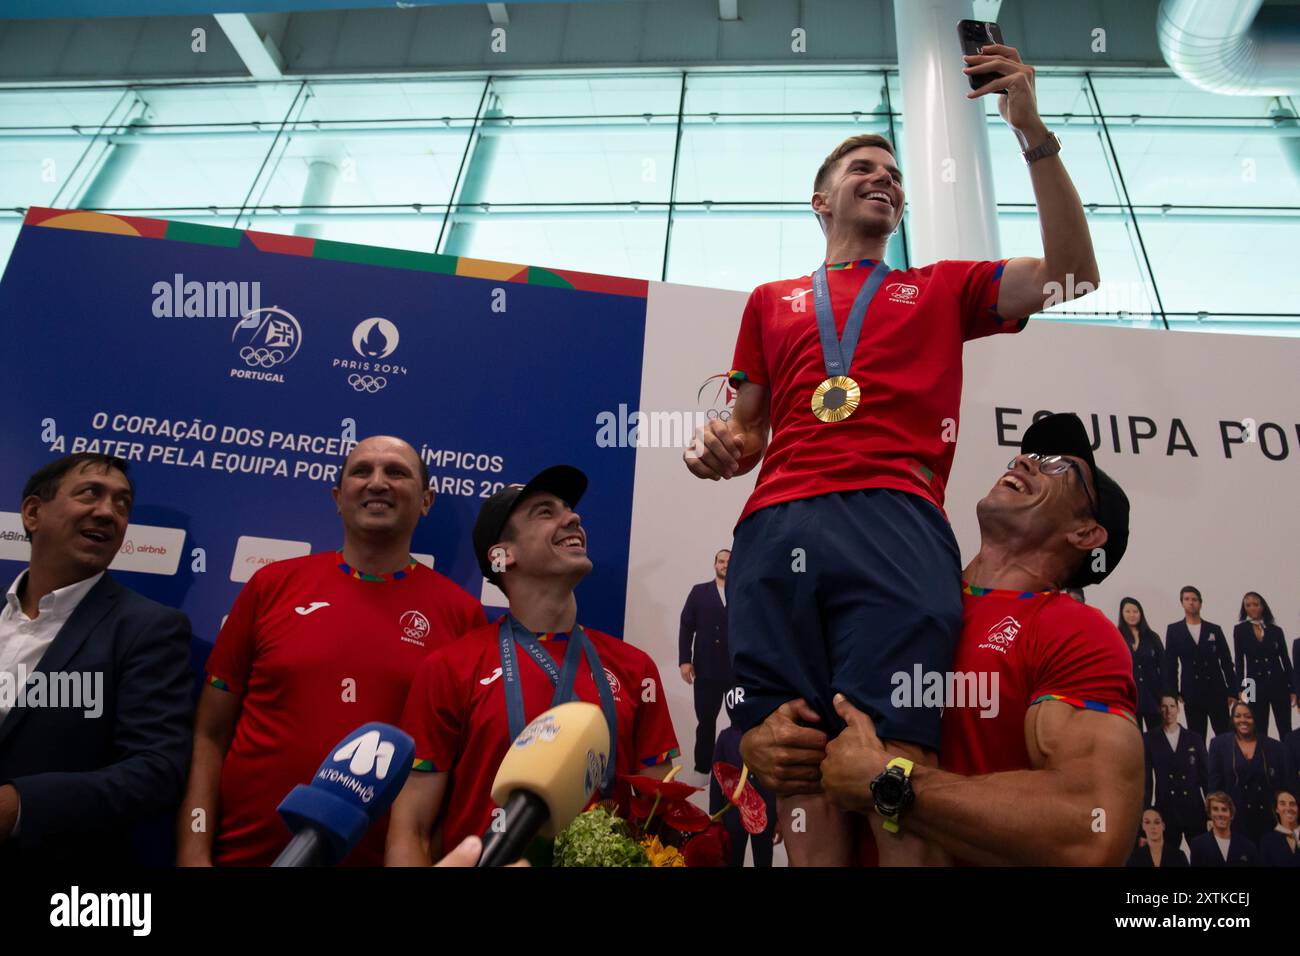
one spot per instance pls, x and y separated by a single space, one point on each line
836 399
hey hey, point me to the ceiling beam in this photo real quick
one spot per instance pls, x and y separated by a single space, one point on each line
261 56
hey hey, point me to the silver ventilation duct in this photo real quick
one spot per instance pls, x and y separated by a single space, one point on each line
1239 47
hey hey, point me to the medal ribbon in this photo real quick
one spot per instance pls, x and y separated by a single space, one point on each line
509 633
837 353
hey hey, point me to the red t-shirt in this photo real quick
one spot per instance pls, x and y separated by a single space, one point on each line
298 630
907 364
457 715
1041 646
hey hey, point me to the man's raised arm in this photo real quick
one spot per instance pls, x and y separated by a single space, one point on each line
1068 268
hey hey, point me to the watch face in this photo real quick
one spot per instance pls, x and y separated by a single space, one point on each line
889 790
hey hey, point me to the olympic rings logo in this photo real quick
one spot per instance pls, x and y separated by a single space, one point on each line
266 358
367 383
724 415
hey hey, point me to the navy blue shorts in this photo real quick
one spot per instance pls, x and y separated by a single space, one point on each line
879 593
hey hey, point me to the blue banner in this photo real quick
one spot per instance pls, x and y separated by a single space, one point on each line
231 369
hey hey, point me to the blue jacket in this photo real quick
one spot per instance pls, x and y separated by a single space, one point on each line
1207 678
1264 660
1250 783
1274 850
1291 764
702 639
84 782
1147 662
1205 851
1180 777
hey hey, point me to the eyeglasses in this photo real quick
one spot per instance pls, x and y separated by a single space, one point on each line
1058 465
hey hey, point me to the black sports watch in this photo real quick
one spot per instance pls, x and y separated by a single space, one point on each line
892 790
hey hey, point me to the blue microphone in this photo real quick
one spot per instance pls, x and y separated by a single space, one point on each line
353 787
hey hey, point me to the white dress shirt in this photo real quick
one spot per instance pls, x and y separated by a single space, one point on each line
1172 735
1195 631
24 640
722 591
1223 845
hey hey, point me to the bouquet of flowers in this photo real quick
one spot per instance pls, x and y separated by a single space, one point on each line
651 822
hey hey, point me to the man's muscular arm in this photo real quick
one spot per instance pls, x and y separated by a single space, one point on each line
727 449
1083 761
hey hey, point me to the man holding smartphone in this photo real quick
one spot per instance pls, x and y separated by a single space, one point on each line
844 569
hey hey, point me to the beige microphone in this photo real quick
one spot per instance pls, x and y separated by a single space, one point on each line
546 779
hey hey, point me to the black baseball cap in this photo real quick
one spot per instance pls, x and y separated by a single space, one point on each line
564 481
1064 434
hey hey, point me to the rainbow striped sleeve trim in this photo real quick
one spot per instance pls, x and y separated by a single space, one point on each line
735 377
664 757
423 766
1082 704
218 683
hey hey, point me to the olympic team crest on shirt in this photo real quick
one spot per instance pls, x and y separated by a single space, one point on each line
614 684
904 292
415 627
1001 635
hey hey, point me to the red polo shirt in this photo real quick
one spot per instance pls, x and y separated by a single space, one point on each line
907 364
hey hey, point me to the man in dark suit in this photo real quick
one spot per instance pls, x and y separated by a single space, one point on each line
703 656
98 738
1209 683
1219 846
1176 761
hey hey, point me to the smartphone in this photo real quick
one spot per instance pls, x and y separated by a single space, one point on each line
974 34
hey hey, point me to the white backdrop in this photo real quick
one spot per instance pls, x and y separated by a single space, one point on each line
1224 524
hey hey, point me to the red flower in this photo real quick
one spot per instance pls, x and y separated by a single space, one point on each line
654 787
710 848
753 811
686 817
667 799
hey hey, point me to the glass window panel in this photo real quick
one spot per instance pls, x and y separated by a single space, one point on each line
1238 266
238 104
596 95
1187 164
733 162
742 251
35 108
1123 286
584 161
8 236
182 171
623 245
371 169
784 93
31 174
1145 95
406 100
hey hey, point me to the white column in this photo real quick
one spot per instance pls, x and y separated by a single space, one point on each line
947 173
322 174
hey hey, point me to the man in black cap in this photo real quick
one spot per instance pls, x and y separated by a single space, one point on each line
471 699
1041 759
